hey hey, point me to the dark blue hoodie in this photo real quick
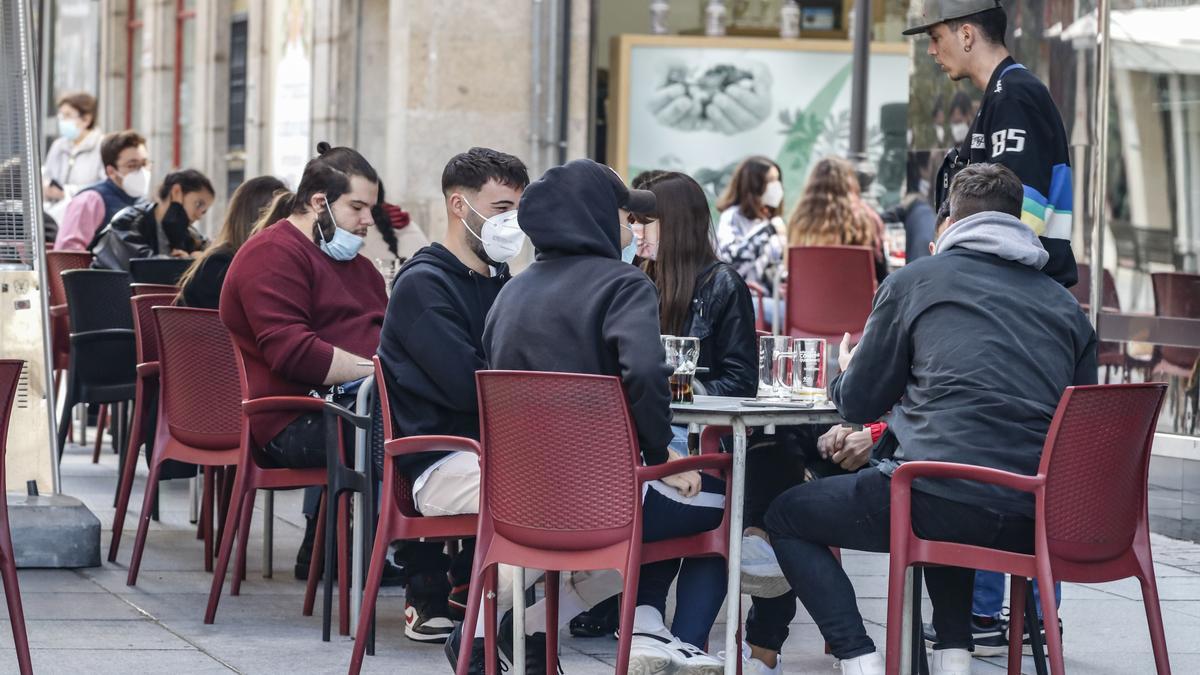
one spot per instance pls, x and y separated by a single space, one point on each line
578 308
430 347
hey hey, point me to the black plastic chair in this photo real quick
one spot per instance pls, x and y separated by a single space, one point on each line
158 270
103 364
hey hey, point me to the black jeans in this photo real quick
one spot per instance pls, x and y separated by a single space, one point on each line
853 512
775 464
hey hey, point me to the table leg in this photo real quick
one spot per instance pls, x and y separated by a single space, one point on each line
733 590
268 566
518 610
363 405
906 628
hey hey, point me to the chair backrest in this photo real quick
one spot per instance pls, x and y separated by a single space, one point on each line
146 289
199 378
830 290
144 326
158 270
97 300
10 376
58 262
1082 290
1177 295
559 459
1095 460
403 487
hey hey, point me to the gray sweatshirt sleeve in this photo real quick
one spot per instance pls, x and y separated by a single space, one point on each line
878 375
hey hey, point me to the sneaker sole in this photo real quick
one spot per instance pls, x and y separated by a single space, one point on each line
429 638
650 664
990 650
765 587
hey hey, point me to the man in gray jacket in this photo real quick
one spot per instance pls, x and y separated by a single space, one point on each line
970 350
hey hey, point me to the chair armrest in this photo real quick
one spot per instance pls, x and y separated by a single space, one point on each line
149 369
903 476
270 404
58 310
415 445
359 421
659 471
710 439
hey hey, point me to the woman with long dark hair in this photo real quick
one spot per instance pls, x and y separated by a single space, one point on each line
750 230
251 203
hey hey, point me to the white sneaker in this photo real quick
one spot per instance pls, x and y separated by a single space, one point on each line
867 664
761 575
752 666
652 654
950 662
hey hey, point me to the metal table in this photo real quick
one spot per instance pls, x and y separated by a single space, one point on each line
740 414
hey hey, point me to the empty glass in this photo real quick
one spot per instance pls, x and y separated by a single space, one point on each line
808 369
769 375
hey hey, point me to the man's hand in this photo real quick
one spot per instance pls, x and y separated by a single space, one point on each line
687 484
845 353
845 447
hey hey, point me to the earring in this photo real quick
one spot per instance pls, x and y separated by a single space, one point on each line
967 48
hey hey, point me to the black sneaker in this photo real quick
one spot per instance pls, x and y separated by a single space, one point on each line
1027 644
603 619
426 616
477 665
457 601
535 647
989 635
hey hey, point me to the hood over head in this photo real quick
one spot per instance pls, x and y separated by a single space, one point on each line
572 210
997 233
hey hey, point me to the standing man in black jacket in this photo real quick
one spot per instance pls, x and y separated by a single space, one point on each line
1017 125
430 349
971 350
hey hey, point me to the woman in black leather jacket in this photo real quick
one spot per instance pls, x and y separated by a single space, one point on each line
699 296
156 228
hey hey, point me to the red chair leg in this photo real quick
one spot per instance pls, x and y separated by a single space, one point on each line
628 604
1050 618
127 474
371 588
895 610
243 541
206 515
317 560
12 594
492 666
139 544
226 546
1016 622
551 622
101 420
1158 638
343 551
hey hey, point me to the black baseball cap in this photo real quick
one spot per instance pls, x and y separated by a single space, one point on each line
634 201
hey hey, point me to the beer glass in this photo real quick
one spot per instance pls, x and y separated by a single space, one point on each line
769 347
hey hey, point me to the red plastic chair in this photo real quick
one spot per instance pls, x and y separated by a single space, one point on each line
398 517
1091 515
829 291
252 476
760 296
58 262
199 416
1177 295
10 375
146 336
1109 354
562 490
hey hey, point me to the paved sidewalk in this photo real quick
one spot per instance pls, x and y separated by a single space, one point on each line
89 621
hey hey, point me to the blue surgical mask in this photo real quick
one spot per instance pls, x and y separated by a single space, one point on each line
342 245
630 251
68 129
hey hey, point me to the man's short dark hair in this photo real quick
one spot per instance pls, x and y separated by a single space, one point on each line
942 219
474 168
985 187
992 24
112 145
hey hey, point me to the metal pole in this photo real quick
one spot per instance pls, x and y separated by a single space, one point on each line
858 90
564 84
1099 159
535 87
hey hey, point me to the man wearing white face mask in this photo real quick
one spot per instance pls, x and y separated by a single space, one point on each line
430 349
127 166
306 310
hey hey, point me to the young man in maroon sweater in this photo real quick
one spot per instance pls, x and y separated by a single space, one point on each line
305 309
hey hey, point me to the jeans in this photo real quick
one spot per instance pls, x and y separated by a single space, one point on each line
989 594
853 512
701 586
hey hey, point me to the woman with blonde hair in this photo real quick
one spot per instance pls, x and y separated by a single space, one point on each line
831 212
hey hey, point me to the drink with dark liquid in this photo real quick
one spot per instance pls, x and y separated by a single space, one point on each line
681 387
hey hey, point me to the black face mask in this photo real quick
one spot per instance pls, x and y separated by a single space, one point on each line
175 224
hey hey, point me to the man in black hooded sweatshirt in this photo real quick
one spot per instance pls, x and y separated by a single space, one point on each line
430 349
579 309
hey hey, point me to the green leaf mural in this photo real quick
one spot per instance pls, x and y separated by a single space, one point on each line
802 131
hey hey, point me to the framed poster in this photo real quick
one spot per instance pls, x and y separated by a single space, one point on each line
700 105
